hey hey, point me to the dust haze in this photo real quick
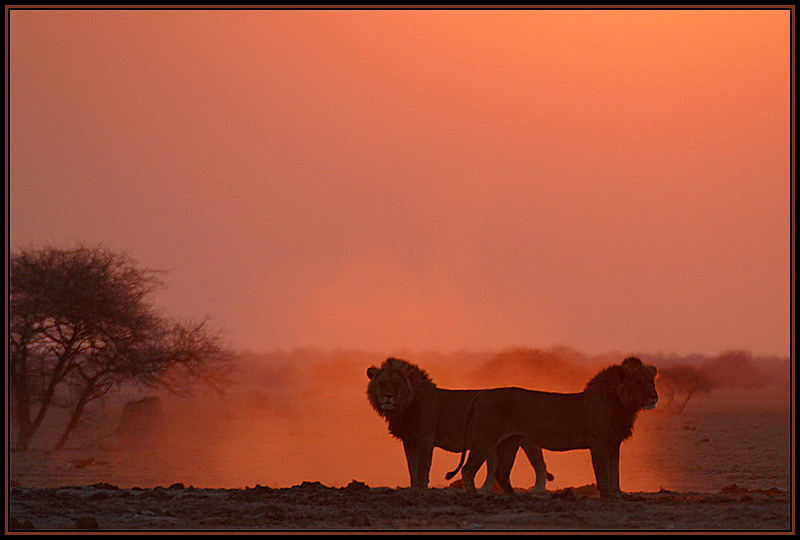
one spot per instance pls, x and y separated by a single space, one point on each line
289 417
437 180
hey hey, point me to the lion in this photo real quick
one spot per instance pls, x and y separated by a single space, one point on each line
424 416
599 418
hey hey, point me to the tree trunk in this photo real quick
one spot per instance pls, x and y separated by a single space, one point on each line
28 428
23 405
86 396
18 375
24 436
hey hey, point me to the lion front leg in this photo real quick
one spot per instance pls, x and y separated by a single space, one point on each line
613 469
418 457
604 471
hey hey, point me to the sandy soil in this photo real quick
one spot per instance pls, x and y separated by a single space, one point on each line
314 506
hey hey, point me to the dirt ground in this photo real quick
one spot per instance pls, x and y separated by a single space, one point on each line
312 506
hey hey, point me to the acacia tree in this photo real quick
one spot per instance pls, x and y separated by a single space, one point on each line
683 379
80 322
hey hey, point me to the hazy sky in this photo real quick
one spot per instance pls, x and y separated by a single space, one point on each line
389 180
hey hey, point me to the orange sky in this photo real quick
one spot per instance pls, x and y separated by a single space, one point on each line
387 180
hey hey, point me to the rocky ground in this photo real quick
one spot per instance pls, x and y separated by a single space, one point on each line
312 506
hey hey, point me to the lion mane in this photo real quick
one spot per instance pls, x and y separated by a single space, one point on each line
424 416
599 418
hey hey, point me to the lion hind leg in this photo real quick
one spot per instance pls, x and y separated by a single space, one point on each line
491 468
477 456
536 458
506 454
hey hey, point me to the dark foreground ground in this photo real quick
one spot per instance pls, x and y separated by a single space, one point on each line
313 506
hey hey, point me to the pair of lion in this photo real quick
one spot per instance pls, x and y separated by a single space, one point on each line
492 424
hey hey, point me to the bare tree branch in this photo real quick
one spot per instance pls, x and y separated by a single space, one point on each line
82 319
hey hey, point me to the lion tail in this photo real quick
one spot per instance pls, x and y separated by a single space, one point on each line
467 426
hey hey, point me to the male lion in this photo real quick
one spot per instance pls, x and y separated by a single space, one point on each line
599 418
424 416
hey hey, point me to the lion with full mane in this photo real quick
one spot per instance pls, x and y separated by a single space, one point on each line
424 416
599 418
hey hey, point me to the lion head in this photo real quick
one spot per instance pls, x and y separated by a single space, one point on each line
394 386
631 384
